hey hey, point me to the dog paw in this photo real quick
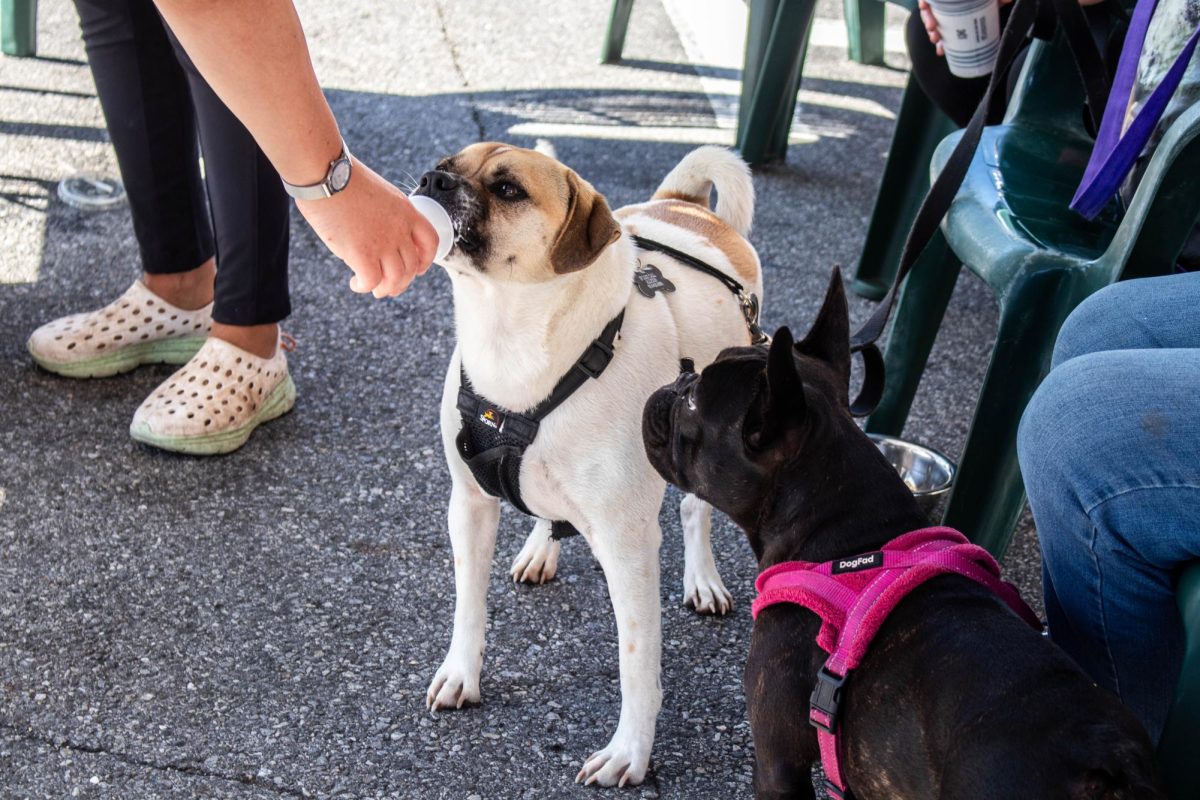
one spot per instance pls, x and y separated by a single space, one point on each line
538 560
618 764
454 686
706 593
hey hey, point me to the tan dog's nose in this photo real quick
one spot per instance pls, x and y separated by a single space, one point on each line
436 182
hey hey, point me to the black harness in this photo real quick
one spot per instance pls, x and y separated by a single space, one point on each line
493 440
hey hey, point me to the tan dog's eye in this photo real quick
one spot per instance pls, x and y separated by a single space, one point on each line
507 190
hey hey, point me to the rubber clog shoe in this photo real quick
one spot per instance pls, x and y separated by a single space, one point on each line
139 327
213 404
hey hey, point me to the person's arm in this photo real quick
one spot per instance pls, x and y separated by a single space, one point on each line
254 56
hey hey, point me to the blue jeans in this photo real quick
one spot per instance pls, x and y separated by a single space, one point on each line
1110 452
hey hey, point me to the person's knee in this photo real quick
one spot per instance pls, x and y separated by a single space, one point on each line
1055 430
1118 317
1086 328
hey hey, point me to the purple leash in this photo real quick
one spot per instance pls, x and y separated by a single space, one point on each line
1114 154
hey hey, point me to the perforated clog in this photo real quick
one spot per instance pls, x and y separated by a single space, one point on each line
213 404
139 327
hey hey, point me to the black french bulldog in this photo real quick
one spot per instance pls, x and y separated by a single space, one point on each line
957 698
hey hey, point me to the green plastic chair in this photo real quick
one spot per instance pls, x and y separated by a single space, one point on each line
18 27
1180 741
1010 225
920 127
865 29
776 43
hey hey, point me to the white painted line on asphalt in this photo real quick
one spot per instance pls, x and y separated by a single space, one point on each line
713 34
647 133
832 33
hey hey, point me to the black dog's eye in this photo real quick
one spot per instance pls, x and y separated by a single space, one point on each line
507 190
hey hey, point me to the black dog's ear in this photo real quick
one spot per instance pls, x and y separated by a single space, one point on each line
829 337
778 408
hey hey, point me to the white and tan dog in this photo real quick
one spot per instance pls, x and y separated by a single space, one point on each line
539 270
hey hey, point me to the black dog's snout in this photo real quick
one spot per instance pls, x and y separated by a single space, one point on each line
436 182
687 365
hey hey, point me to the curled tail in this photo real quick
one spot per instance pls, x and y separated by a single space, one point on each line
694 178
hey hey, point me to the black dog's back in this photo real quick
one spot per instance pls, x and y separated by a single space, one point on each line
955 676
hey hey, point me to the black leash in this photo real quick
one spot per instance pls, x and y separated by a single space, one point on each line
941 194
746 300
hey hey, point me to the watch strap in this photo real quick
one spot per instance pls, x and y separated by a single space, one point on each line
324 188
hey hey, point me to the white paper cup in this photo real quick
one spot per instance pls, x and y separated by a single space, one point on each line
432 210
970 31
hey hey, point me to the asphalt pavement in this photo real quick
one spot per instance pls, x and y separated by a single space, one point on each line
265 624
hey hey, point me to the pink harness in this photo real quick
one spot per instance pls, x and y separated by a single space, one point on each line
854 595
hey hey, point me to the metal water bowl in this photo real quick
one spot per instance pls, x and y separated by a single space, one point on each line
927 473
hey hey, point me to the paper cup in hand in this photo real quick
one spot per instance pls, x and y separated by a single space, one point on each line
432 210
970 31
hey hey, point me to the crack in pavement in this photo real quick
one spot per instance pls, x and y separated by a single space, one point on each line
64 743
458 69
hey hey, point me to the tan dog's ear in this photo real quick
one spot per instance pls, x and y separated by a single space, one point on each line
587 230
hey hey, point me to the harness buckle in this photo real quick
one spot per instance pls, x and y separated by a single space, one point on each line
825 699
520 427
595 360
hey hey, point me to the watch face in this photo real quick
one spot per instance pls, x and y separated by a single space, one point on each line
339 176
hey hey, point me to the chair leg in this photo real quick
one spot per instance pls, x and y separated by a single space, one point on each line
18 27
614 37
920 127
988 493
1177 749
916 319
864 27
776 41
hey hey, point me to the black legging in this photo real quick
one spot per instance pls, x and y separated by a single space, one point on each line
955 96
154 102
958 97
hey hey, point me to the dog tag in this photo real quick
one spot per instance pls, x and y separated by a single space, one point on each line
649 280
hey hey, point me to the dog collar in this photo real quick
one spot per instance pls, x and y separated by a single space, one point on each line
747 301
854 595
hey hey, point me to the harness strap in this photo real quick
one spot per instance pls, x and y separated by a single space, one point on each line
497 469
748 301
855 605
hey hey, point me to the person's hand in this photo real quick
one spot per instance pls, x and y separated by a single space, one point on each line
373 227
931 26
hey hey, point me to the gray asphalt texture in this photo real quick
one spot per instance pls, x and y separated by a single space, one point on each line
265 624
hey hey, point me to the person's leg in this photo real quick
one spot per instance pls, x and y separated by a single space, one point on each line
165 317
250 212
239 379
1108 450
1134 315
955 96
144 95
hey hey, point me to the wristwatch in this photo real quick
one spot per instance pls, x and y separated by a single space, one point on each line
336 179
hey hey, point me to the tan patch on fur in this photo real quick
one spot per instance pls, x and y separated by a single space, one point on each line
705 223
686 198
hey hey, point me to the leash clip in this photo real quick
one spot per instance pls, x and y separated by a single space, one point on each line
750 311
825 699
